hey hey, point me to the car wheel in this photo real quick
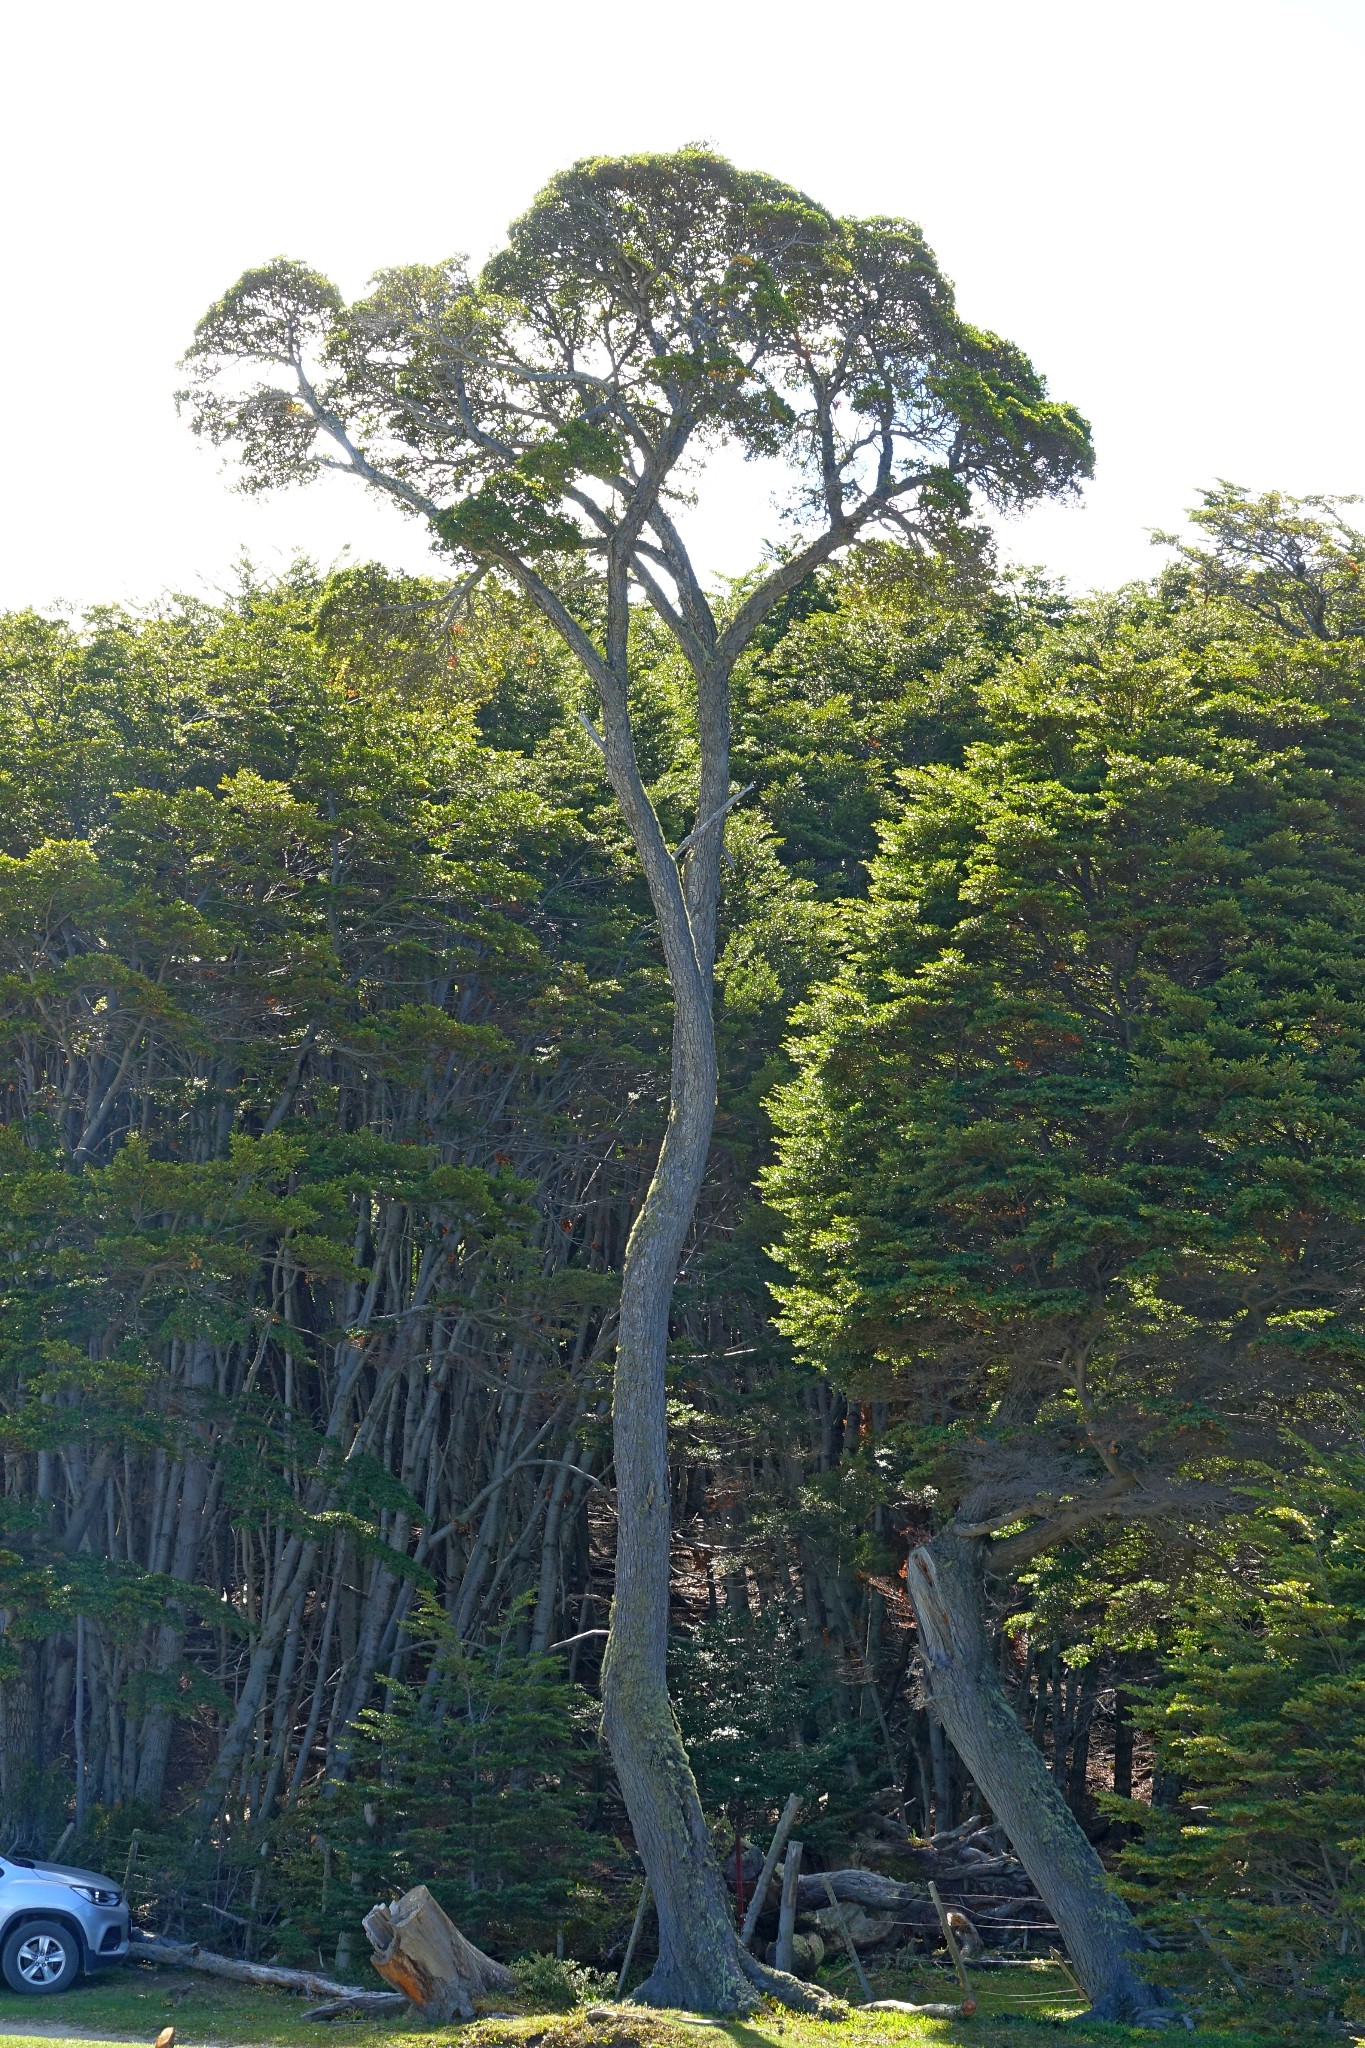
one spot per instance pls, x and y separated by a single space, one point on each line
40 1957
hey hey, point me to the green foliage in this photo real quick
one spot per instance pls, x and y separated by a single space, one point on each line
325 970
1082 1117
478 1785
642 303
762 1714
555 1984
1261 1714
1295 563
273 863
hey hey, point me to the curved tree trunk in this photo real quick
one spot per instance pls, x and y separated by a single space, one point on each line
702 1963
699 1959
944 1580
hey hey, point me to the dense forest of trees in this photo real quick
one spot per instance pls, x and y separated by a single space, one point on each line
336 1052
623 1196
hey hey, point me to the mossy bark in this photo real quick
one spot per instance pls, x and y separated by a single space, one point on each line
944 1579
701 1964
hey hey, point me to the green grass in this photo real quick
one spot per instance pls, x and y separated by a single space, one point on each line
1019 2007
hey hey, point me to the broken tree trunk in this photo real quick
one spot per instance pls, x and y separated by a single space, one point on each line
422 1953
944 1580
770 1863
786 1924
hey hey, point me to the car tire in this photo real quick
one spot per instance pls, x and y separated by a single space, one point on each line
40 1957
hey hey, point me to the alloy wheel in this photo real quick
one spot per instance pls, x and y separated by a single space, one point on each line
41 1960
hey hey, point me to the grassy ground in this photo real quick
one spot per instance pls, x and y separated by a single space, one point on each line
1031 2006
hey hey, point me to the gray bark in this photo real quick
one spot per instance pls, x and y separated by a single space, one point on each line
786 1916
944 1580
187 1955
701 1964
194 1493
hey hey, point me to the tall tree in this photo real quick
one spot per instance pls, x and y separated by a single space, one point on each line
545 419
1073 1163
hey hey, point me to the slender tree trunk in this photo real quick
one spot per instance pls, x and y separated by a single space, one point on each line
1123 1740
298 1563
699 1963
197 1472
1103 1940
1078 1770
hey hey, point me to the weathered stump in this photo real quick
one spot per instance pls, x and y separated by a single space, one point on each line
422 1953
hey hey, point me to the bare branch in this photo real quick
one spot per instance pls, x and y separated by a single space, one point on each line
699 831
593 734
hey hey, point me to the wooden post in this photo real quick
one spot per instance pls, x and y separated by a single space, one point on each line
637 1924
849 1943
770 1863
786 1919
968 2002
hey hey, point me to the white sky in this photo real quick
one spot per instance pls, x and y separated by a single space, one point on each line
1158 199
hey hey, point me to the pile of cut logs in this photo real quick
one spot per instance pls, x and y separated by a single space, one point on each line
983 1888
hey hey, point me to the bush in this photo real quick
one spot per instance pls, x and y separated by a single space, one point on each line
553 1981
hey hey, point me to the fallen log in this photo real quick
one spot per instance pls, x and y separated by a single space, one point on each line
856 1888
980 1867
923 2012
422 1953
878 1894
363 2005
187 1955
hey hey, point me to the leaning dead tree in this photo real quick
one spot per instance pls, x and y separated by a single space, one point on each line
545 419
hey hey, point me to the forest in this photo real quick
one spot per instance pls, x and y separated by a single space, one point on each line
1006 1429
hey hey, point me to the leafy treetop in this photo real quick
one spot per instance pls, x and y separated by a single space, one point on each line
644 310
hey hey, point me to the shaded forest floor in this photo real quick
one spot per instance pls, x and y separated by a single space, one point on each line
1036 2004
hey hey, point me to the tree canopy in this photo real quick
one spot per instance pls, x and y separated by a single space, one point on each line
1073 1160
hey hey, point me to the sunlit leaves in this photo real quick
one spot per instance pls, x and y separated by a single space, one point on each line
643 306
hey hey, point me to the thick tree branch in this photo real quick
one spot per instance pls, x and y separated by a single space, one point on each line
1123 1497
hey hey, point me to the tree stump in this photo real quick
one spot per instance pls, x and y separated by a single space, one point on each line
422 1953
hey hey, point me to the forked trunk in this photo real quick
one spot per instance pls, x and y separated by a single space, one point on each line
944 1579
